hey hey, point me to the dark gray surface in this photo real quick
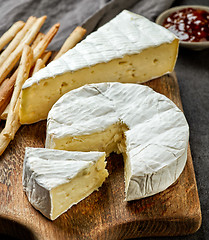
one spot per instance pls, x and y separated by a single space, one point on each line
192 71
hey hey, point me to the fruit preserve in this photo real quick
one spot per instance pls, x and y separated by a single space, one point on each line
189 24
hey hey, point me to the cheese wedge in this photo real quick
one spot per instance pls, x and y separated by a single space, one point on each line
54 180
129 48
145 126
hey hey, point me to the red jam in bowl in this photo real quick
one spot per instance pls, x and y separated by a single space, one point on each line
189 24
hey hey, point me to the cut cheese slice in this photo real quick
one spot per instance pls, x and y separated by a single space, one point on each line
145 126
138 51
54 180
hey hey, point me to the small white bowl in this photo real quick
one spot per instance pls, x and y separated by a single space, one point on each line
192 45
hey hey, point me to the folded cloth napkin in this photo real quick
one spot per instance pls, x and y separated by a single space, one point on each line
71 13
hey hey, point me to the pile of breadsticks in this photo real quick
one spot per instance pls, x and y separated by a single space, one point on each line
24 53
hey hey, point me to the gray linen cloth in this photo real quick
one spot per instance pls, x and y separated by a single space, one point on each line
71 13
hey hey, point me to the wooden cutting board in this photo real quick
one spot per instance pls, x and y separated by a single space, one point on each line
104 214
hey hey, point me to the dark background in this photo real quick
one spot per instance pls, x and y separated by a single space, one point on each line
192 69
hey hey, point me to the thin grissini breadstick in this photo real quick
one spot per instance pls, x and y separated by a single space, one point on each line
22 75
75 37
5 112
10 34
7 88
38 38
10 62
41 47
45 56
12 123
5 135
17 40
39 65
6 92
10 84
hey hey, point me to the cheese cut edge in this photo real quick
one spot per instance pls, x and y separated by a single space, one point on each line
93 176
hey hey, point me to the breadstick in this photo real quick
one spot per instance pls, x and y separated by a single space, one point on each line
6 87
16 41
39 64
10 62
6 90
5 135
12 123
45 56
10 34
38 38
75 37
22 75
5 112
41 47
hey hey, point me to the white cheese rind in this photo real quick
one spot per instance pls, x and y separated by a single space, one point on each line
156 140
137 52
47 169
109 42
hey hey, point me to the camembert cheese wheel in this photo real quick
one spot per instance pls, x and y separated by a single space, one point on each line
146 127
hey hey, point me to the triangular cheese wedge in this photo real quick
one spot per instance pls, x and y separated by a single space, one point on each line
54 180
129 48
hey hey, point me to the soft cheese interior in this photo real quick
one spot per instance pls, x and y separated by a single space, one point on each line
108 140
112 139
54 180
138 52
146 127
87 181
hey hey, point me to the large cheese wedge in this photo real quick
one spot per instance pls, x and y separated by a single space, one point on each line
54 180
145 126
129 48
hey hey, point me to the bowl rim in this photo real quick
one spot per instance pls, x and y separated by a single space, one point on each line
159 20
